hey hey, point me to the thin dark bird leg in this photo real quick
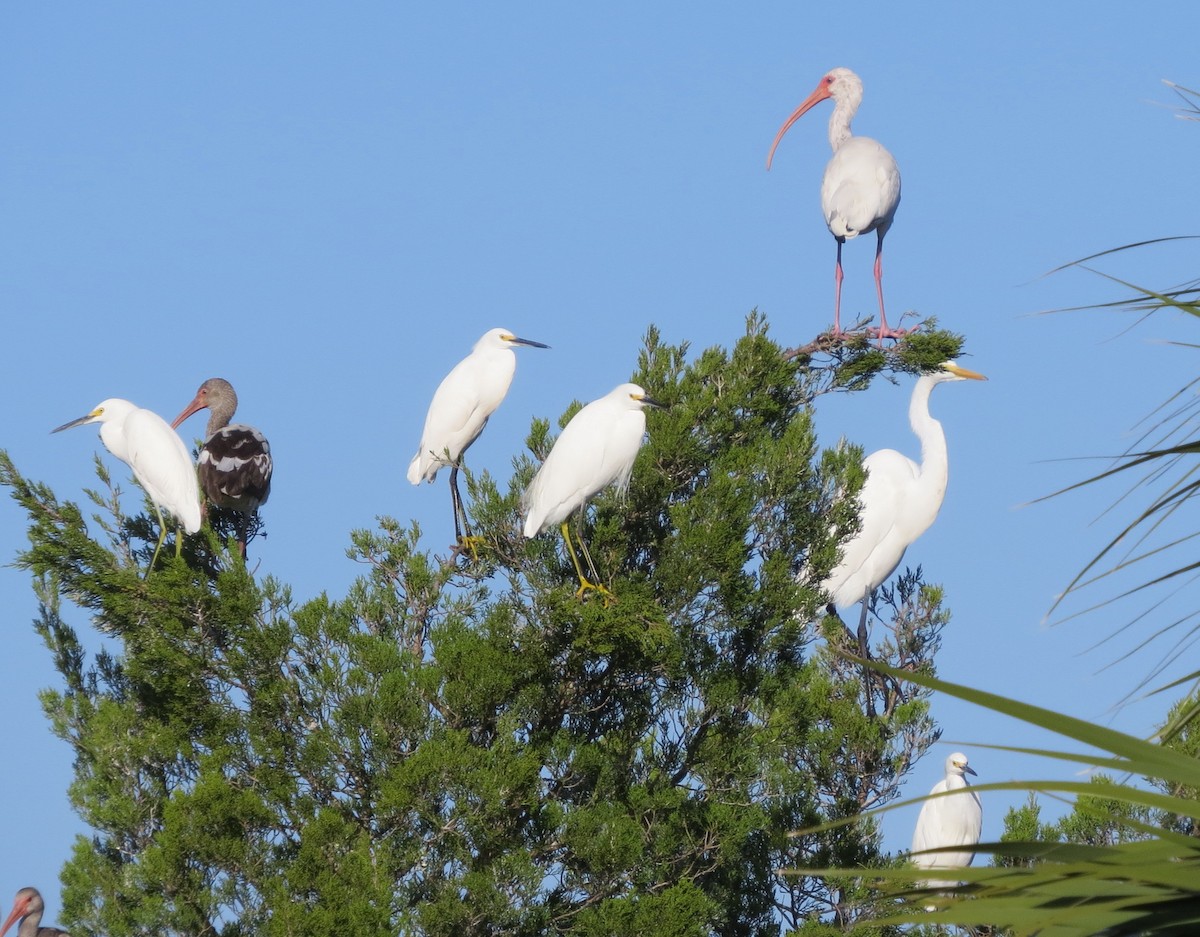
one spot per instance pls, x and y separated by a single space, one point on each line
456 501
865 653
584 547
463 538
244 532
837 290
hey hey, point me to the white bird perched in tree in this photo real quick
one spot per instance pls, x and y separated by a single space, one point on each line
235 460
460 409
29 907
860 190
956 820
898 502
146 443
596 449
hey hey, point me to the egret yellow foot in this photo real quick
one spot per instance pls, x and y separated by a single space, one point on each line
470 544
586 586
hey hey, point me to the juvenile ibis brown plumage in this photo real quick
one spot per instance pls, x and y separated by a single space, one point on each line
235 461
861 187
29 908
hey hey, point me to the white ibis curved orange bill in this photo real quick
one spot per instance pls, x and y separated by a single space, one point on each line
860 190
460 409
235 464
28 908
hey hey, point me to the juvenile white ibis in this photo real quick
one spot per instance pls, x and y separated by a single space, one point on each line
459 411
596 449
235 460
956 820
29 908
861 187
898 502
159 459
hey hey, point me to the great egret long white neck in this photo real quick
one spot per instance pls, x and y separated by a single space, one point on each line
898 502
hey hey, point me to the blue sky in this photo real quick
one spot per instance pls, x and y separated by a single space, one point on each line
327 204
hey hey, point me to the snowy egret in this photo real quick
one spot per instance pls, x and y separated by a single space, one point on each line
956 820
861 187
461 405
29 907
235 461
898 502
146 443
595 449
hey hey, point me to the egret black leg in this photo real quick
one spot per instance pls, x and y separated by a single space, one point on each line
584 548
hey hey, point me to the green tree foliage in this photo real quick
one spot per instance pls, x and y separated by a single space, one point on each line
465 748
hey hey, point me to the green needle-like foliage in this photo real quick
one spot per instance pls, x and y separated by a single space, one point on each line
461 746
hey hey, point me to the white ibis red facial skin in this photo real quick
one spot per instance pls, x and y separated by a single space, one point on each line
597 448
949 821
460 409
235 464
28 907
898 502
160 461
861 187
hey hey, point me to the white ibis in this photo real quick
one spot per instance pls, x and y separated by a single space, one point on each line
596 449
29 908
159 459
898 502
861 187
459 411
956 820
235 461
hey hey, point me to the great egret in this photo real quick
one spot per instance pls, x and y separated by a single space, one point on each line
29 907
861 187
235 461
956 820
898 502
146 443
596 449
461 405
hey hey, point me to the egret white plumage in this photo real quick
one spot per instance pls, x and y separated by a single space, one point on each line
596 449
861 187
460 409
29 907
146 443
955 820
898 502
235 462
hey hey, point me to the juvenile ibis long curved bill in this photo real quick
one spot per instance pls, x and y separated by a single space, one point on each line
235 464
28 908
